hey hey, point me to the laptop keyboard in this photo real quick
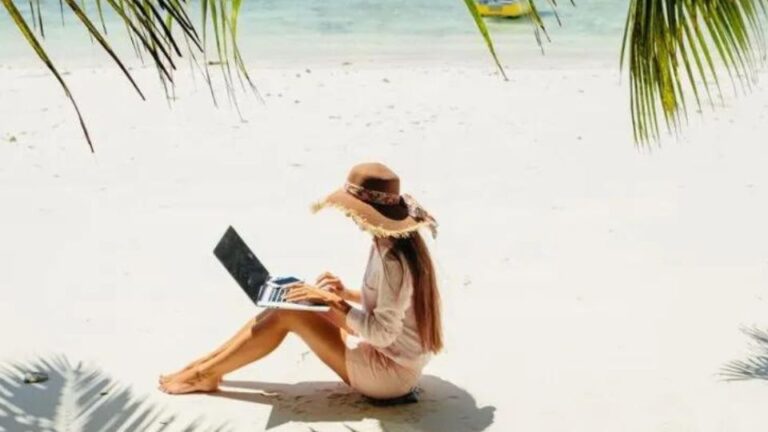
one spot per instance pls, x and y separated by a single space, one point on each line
273 296
277 295
278 290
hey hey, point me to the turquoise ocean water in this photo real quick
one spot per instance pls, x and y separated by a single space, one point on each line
337 29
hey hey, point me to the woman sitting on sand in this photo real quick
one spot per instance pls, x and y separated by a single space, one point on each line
399 323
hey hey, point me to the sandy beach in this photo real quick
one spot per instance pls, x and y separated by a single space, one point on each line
588 285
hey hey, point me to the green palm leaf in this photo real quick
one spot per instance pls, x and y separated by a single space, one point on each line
18 19
667 44
150 27
663 34
484 32
672 49
102 41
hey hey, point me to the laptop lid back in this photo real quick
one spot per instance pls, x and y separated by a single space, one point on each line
241 263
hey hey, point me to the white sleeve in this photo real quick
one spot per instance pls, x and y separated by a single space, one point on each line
381 326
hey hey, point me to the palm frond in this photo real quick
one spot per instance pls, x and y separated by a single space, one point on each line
153 27
485 34
671 48
535 19
21 23
80 13
667 44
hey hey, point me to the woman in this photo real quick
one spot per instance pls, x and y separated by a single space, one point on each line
399 323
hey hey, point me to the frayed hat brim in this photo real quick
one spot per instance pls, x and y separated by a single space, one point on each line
368 218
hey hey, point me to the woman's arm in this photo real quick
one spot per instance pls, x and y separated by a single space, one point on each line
382 325
338 315
339 306
354 296
332 283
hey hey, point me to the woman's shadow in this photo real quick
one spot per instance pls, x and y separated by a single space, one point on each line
443 406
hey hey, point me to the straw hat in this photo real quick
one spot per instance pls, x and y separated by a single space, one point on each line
371 197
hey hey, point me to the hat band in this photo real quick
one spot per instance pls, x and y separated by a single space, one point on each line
372 196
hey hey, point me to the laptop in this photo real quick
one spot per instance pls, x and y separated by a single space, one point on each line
262 288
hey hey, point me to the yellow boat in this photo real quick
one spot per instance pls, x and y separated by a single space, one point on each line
503 8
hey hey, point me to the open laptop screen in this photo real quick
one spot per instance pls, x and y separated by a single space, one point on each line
241 263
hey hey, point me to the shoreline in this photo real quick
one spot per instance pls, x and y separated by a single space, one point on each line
268 51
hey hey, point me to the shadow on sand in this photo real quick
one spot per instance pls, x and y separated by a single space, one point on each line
78 398
442 407
755 366
81 398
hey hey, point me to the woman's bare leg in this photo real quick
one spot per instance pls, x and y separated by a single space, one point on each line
265 335
244 330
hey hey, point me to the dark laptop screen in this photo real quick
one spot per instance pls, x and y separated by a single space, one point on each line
241 263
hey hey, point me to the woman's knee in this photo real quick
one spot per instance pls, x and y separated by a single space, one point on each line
267 318
301 321
262 317
289 319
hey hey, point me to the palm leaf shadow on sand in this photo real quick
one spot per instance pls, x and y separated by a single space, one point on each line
756 365
79 398
443 406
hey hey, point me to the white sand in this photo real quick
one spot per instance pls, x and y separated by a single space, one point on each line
588 286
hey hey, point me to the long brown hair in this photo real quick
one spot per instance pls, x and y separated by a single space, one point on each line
426 298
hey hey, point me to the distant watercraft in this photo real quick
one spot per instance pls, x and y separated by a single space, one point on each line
503 8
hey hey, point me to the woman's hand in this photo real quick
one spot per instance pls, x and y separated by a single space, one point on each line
331 283
312 294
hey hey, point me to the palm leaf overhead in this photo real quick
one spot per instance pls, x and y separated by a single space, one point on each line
674 50
663 35
156 29
29 35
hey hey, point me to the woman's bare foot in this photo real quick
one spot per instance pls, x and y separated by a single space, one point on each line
192 381
170 377
189 367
